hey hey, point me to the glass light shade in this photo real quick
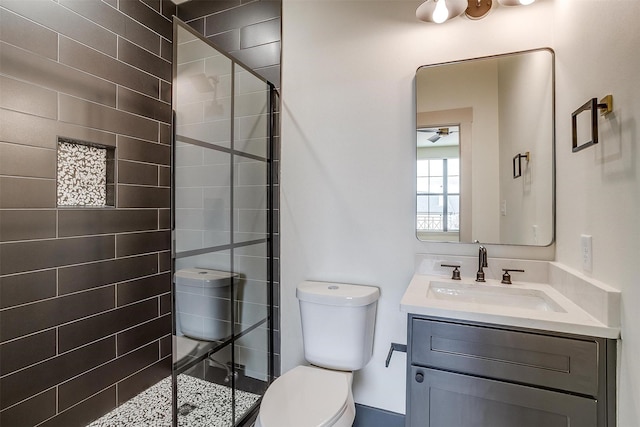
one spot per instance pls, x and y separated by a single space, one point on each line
439 11
515 2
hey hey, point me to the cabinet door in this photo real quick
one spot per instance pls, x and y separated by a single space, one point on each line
445 399
560 363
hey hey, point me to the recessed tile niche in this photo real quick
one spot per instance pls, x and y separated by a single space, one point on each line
85 174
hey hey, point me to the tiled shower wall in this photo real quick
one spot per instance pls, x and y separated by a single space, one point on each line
250 31
85 312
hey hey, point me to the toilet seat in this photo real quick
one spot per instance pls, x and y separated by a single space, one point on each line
307 396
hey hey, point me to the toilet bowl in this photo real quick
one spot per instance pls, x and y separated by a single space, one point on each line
308 396
337 329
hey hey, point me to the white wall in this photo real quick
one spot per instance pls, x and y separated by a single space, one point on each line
348 152
598 189
526 125
473 86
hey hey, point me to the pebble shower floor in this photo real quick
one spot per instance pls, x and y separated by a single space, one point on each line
200 403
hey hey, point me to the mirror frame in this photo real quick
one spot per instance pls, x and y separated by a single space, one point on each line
466 181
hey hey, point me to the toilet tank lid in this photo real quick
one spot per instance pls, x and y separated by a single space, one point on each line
202 277
339 294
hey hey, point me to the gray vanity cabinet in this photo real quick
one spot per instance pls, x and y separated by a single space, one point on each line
447 399
476 375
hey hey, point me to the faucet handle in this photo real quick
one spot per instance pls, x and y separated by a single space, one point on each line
506 277
456 273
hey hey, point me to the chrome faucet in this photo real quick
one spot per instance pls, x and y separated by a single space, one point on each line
482 262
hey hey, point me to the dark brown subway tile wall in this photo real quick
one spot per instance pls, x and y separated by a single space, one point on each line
85 313
250 31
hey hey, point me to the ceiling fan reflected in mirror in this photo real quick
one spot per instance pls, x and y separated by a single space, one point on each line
434 135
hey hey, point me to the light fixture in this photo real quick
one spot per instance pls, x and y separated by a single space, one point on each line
439 11
478 9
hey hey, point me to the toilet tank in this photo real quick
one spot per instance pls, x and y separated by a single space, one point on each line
203 303
338 322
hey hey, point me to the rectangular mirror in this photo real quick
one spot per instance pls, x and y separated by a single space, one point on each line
485 150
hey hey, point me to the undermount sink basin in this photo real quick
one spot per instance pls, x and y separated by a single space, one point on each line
529 299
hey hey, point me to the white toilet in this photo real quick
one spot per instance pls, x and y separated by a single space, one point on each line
338 321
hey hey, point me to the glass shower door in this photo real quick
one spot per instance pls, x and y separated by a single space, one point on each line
222 235
251 232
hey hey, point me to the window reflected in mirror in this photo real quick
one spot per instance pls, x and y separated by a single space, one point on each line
438 183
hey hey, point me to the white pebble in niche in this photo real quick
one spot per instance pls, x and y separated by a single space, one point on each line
82 174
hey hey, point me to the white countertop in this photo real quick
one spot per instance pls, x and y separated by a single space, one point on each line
575 320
